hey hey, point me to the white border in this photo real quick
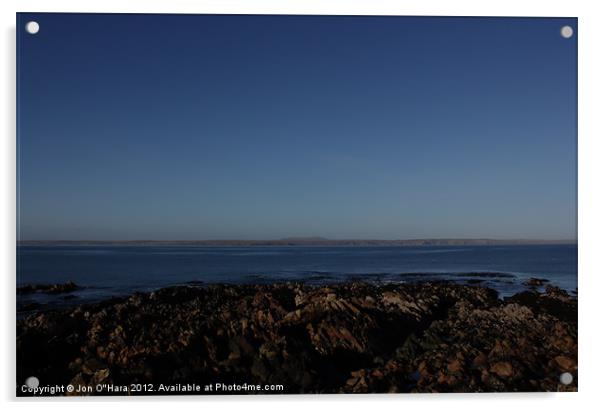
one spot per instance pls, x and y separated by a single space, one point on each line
590 204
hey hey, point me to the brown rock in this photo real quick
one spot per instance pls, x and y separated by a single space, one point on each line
565 363
480 360
100 376
454 366
503 369
534 282
407 337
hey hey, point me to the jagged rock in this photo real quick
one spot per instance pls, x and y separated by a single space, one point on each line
503 369
454 366
535 282
565 363
56 288
349 337
480 360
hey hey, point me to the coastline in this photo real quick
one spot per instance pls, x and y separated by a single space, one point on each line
309 242
351 337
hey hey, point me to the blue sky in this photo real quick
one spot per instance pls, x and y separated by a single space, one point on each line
255 127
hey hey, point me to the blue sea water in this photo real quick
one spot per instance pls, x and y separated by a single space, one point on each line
107 270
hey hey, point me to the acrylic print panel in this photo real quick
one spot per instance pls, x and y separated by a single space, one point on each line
248 204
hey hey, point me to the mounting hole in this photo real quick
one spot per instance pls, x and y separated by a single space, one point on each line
32 382
566 31
32 27
566 378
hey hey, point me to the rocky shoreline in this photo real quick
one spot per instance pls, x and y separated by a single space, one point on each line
352 337
51 289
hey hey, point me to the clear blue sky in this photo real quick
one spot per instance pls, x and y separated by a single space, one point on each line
255 127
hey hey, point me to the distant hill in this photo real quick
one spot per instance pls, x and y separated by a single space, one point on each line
304 238
311 241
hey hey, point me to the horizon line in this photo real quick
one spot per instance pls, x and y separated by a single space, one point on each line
309 239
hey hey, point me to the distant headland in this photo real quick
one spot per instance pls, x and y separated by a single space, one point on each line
306 241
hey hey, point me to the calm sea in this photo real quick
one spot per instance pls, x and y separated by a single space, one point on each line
105 271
